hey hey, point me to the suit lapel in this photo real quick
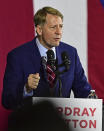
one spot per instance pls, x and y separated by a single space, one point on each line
37 60
58 56
35 56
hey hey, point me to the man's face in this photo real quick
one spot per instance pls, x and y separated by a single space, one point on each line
51 32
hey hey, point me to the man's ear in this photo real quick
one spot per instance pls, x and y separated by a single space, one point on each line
39 30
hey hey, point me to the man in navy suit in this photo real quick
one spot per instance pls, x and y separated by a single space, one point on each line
25 74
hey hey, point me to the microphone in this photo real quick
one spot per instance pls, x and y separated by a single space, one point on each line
66 61
55 67
44 61
51 59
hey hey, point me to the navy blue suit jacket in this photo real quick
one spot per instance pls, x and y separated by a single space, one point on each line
26 60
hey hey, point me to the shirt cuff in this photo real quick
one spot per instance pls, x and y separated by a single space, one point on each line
26 94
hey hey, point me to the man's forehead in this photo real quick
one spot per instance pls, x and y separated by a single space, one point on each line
50 18
52 15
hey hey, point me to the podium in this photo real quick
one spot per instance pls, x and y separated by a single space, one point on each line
80 114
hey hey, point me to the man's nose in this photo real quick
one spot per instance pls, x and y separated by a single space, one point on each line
58 30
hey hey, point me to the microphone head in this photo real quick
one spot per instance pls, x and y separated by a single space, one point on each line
50 55
51 59
66 60
64 55
44 61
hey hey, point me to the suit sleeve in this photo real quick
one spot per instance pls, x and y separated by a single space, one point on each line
81 87
13 83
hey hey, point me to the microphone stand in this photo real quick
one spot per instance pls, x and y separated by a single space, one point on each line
58 79
54 65
60 87
58 73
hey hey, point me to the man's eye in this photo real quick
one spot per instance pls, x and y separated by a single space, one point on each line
61 26
53 27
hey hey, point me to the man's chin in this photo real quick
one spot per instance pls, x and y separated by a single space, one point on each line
56 44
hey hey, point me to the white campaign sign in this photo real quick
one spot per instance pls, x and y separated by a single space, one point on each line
80 114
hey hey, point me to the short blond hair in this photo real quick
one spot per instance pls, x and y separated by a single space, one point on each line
40 16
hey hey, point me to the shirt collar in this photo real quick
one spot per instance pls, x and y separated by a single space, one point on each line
43 50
